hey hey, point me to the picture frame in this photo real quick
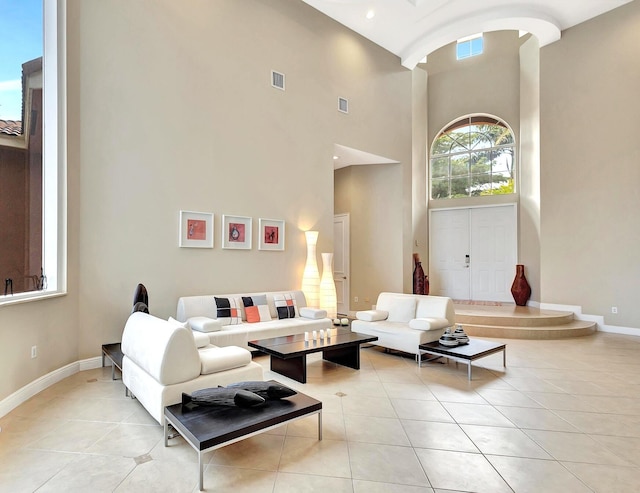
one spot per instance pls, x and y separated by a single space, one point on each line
236 232
271 235
196 229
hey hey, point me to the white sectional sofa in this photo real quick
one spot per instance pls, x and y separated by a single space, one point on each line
404 321
202 314
163 358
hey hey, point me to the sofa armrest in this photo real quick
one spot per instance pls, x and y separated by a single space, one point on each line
313 313
429 323
204 324
372 315
217 359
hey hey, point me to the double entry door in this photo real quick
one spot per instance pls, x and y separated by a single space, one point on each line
473 252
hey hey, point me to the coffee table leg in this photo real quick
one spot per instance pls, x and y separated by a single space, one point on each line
346 356
294 368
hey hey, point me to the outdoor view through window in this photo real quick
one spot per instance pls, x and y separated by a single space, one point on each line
21 139
473 156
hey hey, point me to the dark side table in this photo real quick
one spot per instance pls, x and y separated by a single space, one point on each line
114 353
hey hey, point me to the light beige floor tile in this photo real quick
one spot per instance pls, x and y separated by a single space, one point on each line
499 397
476 414
603 424
607 479
236 480
74 436
110 410
536 419
613 404
626 447
160 477
561 402
258 452
368 406
319 458
461 471
373 487
421 410
386 463
388 431
449 394
332 427
536 476
402 375
533 385
306 483
177 451
128 440
27 470
363 389
574 447
504 441
93 473
413 391
442 436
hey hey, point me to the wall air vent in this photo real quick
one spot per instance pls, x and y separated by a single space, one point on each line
343 105
277 80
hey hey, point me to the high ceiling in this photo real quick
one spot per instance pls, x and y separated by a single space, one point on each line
411 29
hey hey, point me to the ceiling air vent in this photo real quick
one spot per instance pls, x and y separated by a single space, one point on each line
277 80
343 105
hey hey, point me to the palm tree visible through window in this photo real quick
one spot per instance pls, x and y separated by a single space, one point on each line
473 156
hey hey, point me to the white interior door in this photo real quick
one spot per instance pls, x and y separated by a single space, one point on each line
449 254
493 252
473 252
341 261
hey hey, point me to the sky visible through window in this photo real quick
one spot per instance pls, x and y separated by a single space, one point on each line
21 30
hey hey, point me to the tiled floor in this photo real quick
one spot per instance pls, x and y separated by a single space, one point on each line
564 416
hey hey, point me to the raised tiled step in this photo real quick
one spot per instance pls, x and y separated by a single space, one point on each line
520 322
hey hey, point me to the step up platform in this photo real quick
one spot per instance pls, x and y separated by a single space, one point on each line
519 322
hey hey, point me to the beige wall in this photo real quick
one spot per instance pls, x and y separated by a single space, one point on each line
590 167
171 108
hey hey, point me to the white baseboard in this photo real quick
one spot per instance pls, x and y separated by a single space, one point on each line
598 319
22 395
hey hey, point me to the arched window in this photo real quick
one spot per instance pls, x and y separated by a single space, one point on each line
473 156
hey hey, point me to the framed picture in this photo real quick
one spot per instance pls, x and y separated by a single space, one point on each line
196 229
236 232
271 233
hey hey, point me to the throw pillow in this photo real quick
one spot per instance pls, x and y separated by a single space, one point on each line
285 305
256 308
227 311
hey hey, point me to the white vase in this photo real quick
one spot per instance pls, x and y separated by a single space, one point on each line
328 298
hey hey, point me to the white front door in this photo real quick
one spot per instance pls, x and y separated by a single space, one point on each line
341 261
449 254
473 252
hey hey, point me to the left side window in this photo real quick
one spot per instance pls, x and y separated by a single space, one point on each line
29 158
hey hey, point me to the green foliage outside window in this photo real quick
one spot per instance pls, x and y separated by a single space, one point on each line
473 157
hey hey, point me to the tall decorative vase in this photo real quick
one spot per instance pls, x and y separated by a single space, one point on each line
311 276
328 298
520 289
418 276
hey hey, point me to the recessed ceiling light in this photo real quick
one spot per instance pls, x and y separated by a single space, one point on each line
371 14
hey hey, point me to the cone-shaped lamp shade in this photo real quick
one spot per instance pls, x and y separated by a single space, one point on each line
311 276
328 299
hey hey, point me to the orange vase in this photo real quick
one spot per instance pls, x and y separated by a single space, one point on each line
520 289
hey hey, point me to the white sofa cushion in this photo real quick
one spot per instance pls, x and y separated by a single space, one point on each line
312 313
217 359
202 339
204 324
428 323
165 351
372 315
401 309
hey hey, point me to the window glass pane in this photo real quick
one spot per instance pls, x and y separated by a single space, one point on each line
460 165
477 154
21 151
477 46
440 167
440 188
460 187
463 50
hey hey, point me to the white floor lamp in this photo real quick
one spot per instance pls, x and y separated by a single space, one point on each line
311 276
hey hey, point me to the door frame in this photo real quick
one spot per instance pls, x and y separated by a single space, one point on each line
345 277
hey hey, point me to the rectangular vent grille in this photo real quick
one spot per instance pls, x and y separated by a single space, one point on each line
277 80
343 105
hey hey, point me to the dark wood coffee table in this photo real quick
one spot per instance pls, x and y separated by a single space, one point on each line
207 428
289 353
477 348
